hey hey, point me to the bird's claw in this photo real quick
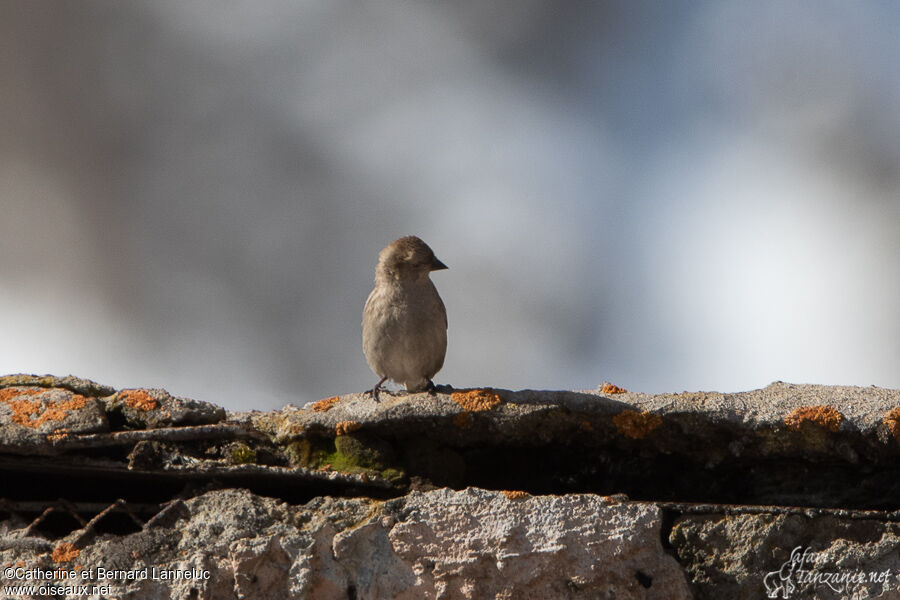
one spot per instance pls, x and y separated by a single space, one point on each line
374 391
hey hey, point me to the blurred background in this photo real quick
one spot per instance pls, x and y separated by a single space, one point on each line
667 196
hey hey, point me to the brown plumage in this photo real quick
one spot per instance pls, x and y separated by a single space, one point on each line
404 321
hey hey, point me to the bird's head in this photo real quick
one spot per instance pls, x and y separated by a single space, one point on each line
407 259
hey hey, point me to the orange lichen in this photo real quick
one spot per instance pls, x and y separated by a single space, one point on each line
462 419
636 425
7 394
515 494
138 399
476 400
323 405
58 434
36 411
345 427
65 552
823 416
609 388
23 410
892 420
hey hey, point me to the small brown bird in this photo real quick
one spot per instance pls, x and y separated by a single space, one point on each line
404 321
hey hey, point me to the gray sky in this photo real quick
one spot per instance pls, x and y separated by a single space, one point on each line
668 196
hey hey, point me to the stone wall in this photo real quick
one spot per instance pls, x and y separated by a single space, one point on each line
790 490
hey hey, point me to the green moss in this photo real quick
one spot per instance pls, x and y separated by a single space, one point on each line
393 475
341 462
242 454
364 451
348 454
299 452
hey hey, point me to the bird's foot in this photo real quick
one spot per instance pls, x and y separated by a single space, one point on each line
375 390
433 389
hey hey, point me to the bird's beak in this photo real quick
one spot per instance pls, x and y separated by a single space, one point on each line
437 265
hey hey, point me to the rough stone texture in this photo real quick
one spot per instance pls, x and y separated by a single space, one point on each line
348 497
150 408
479 544
29 414
760 447
439 544
731 556
85 387
533 416
784 444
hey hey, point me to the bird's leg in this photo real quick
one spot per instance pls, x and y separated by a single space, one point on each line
374 391
429 387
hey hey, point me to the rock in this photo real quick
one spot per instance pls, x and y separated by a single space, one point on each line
441 544
37 417
151 408
85 387
785 444
742 556
731 494
481 544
